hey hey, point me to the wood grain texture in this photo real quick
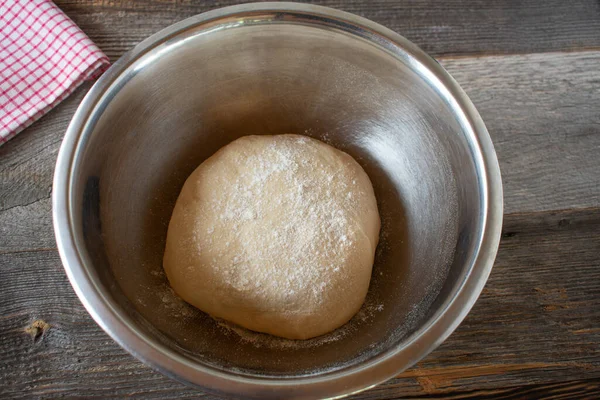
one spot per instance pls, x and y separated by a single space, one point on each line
534 332
580 389
442 28
27 228
541 111
534 327
27 161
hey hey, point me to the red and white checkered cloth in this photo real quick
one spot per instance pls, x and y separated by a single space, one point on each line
44 57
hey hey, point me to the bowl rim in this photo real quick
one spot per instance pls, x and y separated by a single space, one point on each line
335 383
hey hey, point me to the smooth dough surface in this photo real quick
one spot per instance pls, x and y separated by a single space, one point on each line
276 234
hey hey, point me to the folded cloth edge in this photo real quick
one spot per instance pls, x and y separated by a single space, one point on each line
18 41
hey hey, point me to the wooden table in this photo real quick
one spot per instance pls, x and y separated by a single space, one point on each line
532 68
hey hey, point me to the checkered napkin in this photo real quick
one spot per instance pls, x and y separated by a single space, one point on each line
44 57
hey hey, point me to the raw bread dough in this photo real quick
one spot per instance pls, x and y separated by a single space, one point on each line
276 234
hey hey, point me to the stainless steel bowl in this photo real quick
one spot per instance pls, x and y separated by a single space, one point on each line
273 68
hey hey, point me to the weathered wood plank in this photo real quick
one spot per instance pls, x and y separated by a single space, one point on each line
538 316
27 228
580 389
534 331
27 161
541 111
441 28
536 323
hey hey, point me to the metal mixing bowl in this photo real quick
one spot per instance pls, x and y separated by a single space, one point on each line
274 68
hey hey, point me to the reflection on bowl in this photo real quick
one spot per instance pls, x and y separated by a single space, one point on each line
276 68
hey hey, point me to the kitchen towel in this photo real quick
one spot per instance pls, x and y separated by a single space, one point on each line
44 57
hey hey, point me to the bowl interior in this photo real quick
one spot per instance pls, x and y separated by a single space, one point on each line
204 87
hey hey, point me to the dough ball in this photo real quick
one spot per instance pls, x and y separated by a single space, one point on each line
276 234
